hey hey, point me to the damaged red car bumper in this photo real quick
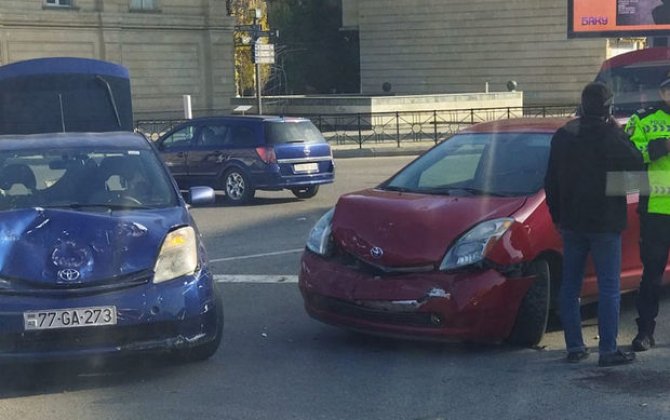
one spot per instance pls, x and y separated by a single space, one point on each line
474 305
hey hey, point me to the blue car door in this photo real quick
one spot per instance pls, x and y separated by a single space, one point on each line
174 149
211 149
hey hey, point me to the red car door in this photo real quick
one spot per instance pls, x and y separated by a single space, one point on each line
631 266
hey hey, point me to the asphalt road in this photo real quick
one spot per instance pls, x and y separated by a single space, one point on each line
276 363
278 223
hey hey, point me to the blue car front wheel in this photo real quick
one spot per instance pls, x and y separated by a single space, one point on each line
207 350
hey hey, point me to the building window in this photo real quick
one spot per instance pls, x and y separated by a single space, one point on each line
143 4
67 3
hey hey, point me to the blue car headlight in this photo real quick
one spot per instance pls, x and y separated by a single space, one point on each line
178 256
472 247
319 240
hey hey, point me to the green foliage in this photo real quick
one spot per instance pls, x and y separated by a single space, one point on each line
243 10
312 54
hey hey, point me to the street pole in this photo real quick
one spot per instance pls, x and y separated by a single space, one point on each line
255 36
260 53
259 102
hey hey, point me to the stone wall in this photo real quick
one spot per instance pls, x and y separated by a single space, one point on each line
379 119
182 47
325 105
456 46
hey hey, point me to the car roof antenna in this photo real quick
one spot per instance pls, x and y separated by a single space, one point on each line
110 95
62 114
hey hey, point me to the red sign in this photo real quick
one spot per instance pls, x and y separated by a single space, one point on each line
620 18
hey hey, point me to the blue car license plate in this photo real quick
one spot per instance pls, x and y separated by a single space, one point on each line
69 318
306 167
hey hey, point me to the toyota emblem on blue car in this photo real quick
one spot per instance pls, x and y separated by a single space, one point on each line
68 274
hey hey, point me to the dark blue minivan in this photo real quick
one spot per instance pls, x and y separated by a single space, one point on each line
242 154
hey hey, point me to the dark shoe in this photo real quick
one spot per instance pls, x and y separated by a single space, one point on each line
577 356
617 358
643 342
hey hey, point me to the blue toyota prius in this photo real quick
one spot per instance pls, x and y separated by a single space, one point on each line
99 253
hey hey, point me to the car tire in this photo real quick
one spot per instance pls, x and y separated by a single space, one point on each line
237 186
531 320
306 192
207 350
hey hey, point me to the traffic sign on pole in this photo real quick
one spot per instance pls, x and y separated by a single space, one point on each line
264 53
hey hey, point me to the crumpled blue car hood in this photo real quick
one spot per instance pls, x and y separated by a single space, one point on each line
36 243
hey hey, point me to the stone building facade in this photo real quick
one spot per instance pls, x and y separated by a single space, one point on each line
457 46
171 47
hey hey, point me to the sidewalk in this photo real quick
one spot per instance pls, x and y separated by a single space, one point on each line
380 149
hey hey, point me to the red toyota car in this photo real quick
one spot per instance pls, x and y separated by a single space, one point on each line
458 245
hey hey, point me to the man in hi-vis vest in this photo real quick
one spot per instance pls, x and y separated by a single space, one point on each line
649 130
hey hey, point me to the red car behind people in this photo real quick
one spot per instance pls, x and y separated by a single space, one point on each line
458 245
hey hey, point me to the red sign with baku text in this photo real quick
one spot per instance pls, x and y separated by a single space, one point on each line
607 18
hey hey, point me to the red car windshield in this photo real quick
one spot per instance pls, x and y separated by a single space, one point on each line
498 164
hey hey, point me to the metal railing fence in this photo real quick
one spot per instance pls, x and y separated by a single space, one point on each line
400 127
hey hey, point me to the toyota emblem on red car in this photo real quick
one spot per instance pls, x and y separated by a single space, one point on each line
376 252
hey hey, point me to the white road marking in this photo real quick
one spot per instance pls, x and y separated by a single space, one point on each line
267 254
243 278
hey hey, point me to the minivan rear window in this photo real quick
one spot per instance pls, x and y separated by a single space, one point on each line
292 132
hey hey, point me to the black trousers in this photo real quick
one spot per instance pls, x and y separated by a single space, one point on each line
654 248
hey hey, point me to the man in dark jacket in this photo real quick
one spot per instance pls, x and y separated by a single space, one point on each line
587 154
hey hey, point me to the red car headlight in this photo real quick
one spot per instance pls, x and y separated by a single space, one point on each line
472 247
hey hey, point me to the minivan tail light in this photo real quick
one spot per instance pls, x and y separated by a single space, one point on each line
267 154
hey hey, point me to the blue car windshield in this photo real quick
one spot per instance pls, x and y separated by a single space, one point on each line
497 164
82 179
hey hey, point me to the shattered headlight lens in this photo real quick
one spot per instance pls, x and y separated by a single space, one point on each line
472 247
178 256
319 240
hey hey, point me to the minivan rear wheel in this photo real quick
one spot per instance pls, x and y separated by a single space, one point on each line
237 186
305 192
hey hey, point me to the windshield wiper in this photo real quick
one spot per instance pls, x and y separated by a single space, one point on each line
479 191
110 96
469 190
394 188
110 206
